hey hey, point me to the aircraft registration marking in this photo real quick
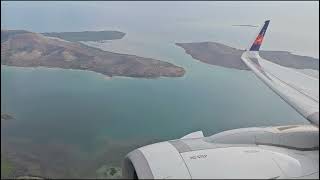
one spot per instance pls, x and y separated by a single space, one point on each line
201 156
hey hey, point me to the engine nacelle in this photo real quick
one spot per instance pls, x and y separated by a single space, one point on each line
269 152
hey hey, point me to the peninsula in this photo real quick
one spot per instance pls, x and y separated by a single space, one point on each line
87 35
27 49
226 56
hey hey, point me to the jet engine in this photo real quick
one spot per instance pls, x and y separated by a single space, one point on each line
258 152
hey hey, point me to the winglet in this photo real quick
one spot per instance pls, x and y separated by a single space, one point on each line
258 40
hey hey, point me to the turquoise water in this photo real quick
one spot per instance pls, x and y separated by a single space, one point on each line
102 118
75 106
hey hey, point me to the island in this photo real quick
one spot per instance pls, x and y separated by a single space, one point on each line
87 35
222 55
5 116
28 49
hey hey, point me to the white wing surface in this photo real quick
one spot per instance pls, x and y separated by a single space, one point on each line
298 89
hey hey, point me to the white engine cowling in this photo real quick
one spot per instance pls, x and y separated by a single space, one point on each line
265 153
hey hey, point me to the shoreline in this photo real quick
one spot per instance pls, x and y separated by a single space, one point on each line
222 55
28 49
104 76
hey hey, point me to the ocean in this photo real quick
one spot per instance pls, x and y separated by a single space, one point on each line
72 122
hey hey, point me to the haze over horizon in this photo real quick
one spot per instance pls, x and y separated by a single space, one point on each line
294 25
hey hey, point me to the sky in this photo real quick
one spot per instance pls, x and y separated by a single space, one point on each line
294 25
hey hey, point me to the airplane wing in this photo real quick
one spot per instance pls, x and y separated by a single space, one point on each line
246 153
298 89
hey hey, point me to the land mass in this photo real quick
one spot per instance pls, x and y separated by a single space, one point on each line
87 35
226 56
5 116
27 49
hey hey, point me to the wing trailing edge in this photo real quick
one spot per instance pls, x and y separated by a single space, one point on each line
297 89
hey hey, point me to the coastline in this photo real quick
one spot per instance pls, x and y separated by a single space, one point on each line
219 54
27 49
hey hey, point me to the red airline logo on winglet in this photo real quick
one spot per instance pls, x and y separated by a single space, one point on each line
258 40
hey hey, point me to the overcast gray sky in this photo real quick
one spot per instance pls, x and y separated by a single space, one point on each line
293 23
